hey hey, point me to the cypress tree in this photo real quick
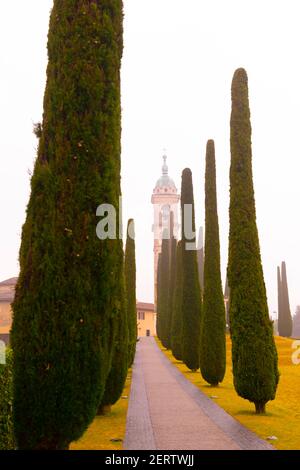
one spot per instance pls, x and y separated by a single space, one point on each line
68 292
130 280
279 296
176 328
158 306
285 321
120 360
200 258
171 287
213 326
164 291
254 354
191 293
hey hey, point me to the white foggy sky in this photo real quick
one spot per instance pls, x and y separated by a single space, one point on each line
179 59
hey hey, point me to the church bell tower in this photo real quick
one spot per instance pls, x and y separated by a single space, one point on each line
165 199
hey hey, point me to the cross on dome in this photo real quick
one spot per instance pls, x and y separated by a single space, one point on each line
165 168
165 183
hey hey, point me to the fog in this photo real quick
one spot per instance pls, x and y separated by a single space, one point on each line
179 59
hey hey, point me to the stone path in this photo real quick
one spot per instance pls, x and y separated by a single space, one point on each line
167 412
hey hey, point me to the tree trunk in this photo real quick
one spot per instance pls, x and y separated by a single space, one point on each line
260 408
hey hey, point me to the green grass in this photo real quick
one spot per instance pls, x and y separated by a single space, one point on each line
106 428
283 414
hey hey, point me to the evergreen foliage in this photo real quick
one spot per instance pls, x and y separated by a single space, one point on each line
191 292
176 327
7 441
158 306
254 354
200 258
120 360
212 338
130 281
172 280
285 321
164 292
68 293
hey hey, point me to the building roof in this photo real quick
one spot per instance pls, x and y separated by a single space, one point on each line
7 289
145 306
9 282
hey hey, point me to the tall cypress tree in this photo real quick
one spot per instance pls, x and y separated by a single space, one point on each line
130 280
176 327
164 291
120 360
213 326
158 306
171 287
254 354
285 321
68 294
200 258
191 293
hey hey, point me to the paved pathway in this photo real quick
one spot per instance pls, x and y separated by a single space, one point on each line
167 412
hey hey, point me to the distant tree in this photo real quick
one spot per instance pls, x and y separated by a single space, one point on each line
130 284
191 292
254 355
296 325
159 290
200 258
176 328
285 321
172 280
163 294
213 326
68 293
116 379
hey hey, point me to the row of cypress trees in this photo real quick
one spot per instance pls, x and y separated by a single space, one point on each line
73 334
198 330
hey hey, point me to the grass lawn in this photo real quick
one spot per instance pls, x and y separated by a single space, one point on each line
105 429
283 414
